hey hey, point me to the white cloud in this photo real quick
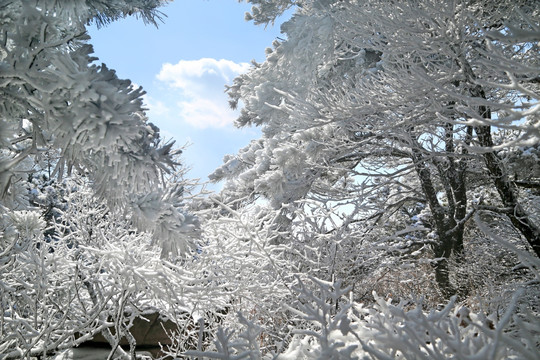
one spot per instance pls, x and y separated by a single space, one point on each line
204 113
185 72
200 85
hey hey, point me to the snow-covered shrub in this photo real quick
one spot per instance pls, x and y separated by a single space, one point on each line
329 326
323 320
88 271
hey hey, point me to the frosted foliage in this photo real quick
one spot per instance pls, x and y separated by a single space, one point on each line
401 116
166 214
89 272
397 150
278 95
53 96
266 11
285 162
330 326
311 41
61 113
332 87
440 59
241 254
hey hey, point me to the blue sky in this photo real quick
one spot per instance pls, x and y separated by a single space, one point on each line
183 65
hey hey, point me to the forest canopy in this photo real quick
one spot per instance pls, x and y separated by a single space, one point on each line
389 209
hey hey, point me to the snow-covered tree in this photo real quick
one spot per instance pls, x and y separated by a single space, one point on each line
407 108
94 225
54 97
90 272
61 112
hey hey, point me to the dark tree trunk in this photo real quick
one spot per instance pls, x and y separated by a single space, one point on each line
447 220
447 245
507 190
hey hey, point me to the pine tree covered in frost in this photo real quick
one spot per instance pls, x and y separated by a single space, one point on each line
94 226
60 113
55 97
